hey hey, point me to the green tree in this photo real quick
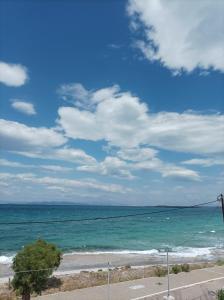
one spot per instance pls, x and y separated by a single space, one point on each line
220 294
40 256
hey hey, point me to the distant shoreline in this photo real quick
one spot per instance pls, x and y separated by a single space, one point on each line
100 205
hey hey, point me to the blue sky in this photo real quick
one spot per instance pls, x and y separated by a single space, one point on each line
118 102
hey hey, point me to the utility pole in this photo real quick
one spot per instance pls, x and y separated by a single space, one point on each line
168 297
220 198
108 281
168 274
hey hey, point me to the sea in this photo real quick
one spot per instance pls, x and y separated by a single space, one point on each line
185 231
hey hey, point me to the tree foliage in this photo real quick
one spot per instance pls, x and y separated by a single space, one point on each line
41 257
220 294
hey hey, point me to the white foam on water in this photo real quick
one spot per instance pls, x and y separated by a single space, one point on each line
213 231
151 252
191 252
178 252
185 252
6 260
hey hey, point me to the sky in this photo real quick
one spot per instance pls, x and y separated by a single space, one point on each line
111 102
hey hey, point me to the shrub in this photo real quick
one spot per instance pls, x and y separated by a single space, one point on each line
185 268
176 269
220 262
220 294
40 256
126 267
160 271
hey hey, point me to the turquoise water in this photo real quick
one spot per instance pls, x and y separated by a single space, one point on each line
195 228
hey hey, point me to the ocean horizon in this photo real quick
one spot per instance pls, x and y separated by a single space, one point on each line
187 232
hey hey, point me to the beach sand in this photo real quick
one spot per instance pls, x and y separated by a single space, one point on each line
76 262
71 281
82 270
87 261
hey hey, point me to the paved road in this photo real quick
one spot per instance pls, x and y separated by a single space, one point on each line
198 284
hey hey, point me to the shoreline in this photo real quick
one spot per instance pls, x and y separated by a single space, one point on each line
75 262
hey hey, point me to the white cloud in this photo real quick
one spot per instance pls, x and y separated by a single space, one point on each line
8 163
105 93
24 107
75 93
137 154
82 98
182 35
115 119
115 46
53 168
73 155
74 184
178 172
111 166
204 162
167 169
76 156
79 124
20 137
187 132
114 166
124 121
13 74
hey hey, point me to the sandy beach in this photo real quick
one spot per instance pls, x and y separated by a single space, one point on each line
76 262
85 270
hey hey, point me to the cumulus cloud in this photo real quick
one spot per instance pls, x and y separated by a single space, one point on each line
48 181
75 93
79 124
167 169
13 74
137 154
204 162
182 35
116 167
17 136
53 168
112 166
8 163
76 156
83 98
124 121
178 172
73 155
24 107
115 119
187 132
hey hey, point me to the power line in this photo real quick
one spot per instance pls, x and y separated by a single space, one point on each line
195 234
37 270
106 218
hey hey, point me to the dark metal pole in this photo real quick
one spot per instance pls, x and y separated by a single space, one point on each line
168 274
108 281
220 198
